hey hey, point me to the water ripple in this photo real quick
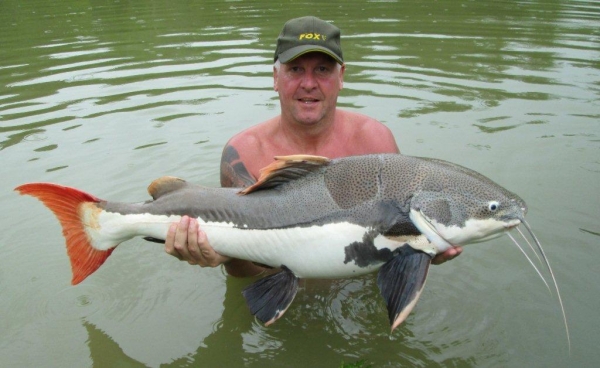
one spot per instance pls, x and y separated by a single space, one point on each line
109 96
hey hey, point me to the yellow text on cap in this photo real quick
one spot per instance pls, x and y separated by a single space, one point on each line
312 36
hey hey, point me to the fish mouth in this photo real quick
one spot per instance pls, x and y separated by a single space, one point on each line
512 222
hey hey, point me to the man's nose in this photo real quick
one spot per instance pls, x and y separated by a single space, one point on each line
309 81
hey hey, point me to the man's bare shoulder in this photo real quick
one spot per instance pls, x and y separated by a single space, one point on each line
373 136
246 153
252 137
361 121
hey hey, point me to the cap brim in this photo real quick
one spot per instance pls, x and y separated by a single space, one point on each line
297 51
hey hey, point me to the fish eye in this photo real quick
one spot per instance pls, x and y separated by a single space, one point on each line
493 206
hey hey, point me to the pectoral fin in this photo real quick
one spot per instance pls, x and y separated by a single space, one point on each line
401 280
269 297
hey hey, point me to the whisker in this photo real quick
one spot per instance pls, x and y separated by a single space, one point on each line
562 308
530 245
530 261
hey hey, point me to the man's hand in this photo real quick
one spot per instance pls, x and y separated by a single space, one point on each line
447 255
186 241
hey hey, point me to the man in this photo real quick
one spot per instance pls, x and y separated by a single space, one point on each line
308 75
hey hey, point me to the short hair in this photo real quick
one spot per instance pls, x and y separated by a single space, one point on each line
277 65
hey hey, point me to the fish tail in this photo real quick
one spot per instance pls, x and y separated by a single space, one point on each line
75 210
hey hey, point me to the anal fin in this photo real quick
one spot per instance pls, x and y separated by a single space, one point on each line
269 297
401 281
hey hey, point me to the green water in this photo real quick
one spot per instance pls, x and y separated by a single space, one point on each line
108 95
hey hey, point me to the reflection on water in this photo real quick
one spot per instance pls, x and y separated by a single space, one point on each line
107 96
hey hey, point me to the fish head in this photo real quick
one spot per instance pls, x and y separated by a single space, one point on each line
458 217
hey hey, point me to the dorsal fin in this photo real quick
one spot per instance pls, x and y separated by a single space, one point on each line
285 169
165 184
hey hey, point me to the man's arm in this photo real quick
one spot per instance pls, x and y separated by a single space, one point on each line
234 173
186 240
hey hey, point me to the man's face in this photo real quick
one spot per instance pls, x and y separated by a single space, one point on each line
308 87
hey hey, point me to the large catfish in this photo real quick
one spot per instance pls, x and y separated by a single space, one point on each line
311 217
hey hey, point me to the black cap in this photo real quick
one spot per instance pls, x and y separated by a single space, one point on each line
308 34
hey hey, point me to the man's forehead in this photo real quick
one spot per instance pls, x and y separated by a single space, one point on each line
312 56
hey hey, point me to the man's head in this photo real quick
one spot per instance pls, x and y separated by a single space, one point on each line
308 34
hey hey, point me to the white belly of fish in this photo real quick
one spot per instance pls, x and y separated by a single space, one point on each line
310 252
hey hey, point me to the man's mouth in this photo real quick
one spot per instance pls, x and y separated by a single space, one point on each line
308 100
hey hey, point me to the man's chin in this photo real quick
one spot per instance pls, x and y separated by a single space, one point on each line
309 121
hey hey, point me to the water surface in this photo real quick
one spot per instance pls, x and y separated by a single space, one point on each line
107 96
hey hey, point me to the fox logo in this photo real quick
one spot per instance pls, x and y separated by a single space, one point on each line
312 36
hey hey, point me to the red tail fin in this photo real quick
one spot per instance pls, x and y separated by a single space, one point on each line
65 202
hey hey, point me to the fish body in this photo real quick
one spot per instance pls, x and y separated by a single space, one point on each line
310 216
337 218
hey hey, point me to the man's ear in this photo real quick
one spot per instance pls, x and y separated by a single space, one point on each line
342 70
275 76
